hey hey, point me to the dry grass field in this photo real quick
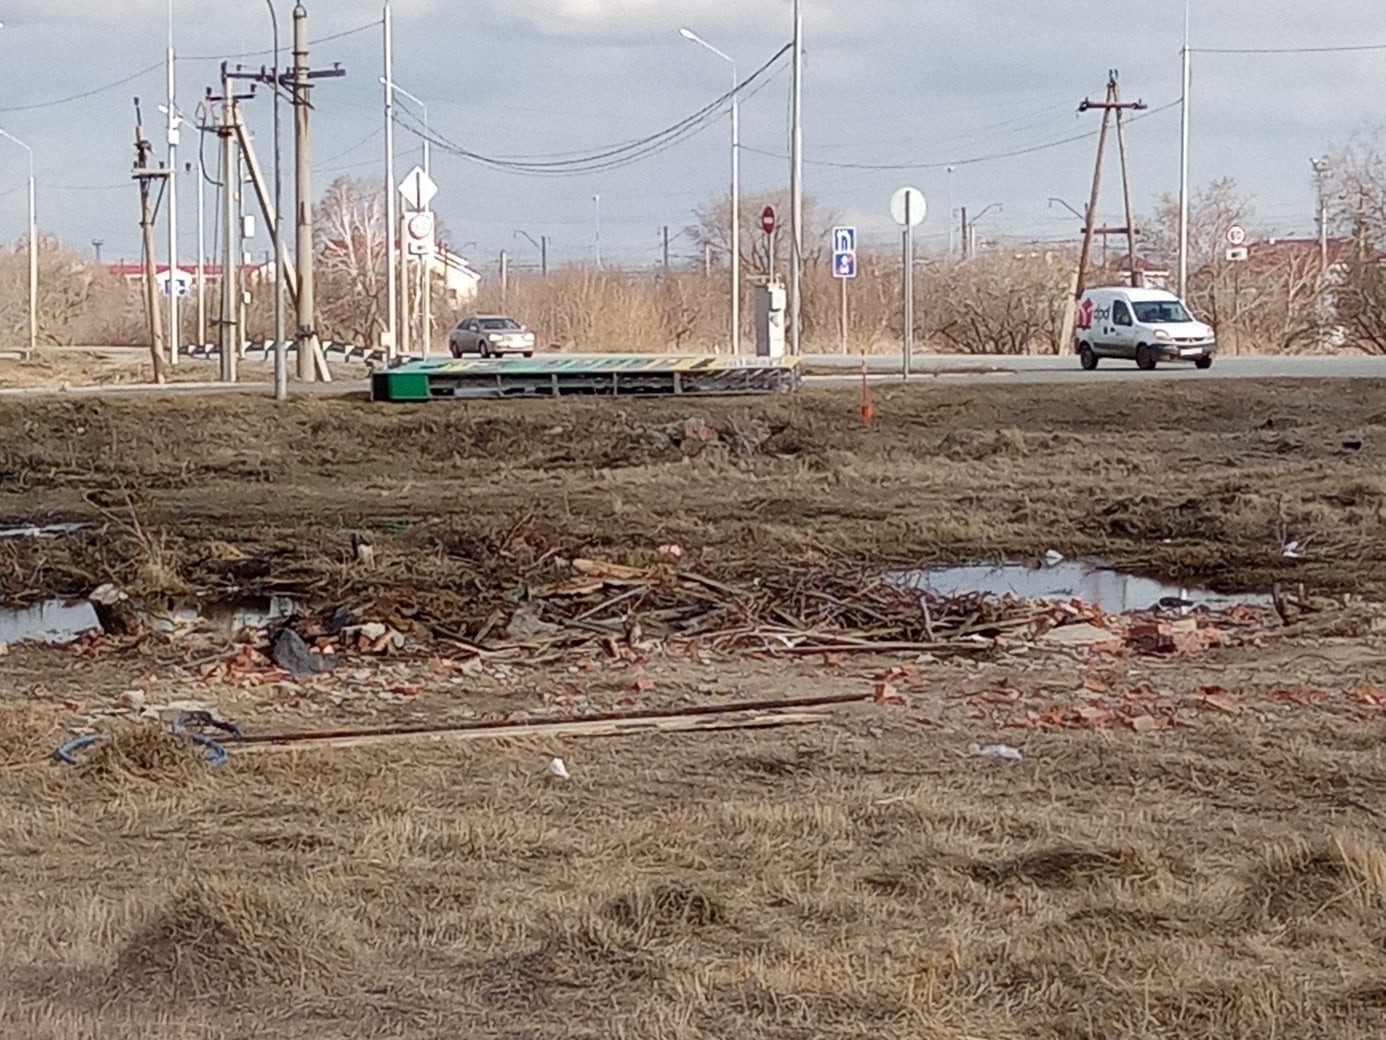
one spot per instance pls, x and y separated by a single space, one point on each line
1222 877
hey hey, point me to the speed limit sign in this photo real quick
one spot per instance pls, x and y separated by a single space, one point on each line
418 234
1236 235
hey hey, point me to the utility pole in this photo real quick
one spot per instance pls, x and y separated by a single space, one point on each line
281 349
1320 172
391 212
199 268
144 177
504 277
962 235
1184 163
33 246
597 242
96 244
310 360
230 333
1111 106
666 250
796 183
175 332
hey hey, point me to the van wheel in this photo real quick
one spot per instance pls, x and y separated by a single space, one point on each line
1086 357
1206 361
1145 358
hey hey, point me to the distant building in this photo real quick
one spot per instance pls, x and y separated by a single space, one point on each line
185 276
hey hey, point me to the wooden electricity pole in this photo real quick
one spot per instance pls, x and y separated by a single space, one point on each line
145 177
1112 108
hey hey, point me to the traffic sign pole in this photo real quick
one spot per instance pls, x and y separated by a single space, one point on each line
844 314
844 267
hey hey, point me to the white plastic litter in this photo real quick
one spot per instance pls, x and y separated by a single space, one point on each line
996 752
1052 557
558 770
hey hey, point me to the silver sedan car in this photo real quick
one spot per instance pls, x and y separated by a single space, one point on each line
490 335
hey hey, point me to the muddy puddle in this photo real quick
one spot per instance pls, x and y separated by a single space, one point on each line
61 621
1091 582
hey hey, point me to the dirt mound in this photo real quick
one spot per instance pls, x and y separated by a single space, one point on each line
213 939
667 910
1299 880
1060 867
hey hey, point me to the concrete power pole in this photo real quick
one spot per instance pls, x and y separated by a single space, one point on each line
391 212
175 332
231 334
796 184
310 359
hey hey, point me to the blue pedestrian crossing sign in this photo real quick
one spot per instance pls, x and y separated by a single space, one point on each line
844 252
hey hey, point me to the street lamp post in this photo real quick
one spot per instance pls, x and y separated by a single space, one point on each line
33 246
969 246
735 242
427 339
543 246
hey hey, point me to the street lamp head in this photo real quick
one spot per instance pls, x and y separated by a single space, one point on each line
688 34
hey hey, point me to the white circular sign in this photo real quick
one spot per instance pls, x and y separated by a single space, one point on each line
1236 235
907 207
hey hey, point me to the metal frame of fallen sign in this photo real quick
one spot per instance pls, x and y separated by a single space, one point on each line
217 754
711 718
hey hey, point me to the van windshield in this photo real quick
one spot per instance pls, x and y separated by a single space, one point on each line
1161 312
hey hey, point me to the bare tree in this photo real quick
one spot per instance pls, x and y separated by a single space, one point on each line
352 247
1355 281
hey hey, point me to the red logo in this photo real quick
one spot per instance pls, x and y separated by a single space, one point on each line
1085 310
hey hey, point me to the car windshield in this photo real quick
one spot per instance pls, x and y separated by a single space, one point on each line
1161 312
498 324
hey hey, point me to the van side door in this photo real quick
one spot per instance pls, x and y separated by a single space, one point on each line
1123 332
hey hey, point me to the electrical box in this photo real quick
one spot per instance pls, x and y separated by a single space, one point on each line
770 308
248 226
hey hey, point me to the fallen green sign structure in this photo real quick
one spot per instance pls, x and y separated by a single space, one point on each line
591 375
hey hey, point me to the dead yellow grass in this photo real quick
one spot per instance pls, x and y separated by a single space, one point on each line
879 886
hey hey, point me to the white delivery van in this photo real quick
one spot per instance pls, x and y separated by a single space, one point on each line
1146 326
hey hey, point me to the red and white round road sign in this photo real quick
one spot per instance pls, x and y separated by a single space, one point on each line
767 220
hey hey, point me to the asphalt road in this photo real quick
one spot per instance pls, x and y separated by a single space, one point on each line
829 370
1065 369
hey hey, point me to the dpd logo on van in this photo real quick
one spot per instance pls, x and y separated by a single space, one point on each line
1085 310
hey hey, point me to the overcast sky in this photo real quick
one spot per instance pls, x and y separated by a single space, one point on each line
887 82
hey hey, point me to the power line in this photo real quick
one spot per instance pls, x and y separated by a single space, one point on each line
86 93
269 53
970 161
608 157
1290 50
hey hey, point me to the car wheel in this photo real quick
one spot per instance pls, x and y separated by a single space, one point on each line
1206 361
455 350
1145 358
527 353
1086 357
